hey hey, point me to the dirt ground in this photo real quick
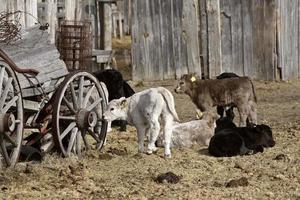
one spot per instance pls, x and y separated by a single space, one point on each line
120 173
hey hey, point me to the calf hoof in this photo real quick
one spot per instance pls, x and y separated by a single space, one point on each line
167 156
149 152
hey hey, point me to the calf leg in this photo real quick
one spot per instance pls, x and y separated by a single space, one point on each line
243 111
253 113
141 135
154 131
168 134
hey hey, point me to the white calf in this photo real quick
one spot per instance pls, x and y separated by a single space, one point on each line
196 132
145 110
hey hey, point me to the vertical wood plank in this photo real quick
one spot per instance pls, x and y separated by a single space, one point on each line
190 35
214 38
203 39
247 10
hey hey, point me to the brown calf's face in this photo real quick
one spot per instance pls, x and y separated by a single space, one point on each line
185 83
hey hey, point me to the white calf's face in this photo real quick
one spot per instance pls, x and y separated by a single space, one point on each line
116 109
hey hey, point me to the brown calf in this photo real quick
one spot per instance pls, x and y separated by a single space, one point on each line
238 92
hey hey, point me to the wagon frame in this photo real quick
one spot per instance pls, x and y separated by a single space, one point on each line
69 106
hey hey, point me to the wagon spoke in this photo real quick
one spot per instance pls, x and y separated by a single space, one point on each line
4 151
68 104
80 91
72 117
85 140
87 97
1 77
93 135
9 139
73 96
5 92
10 104
67 130
72 140
78 142
93 105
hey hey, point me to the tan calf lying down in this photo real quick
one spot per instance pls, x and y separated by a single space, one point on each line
196 132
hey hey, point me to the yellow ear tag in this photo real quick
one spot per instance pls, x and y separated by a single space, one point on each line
193 79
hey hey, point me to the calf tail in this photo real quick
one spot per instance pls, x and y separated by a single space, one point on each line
253 90
169 99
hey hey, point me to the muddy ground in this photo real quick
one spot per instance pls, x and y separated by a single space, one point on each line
120 173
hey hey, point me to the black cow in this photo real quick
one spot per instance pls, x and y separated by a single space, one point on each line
241 140
220 109
224 123
117 88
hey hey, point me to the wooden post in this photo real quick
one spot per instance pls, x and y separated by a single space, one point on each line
105 14
20 5
31 12
3 7
203 38
52 19
127 16
70 6
214 38
120 25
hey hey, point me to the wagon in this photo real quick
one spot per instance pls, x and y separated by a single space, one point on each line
38 94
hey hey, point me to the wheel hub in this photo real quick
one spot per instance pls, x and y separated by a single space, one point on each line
7 122
86 119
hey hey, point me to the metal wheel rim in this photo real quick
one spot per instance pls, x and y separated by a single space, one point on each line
10 102
71 139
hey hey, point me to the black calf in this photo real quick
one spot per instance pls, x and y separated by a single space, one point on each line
241 140
117 88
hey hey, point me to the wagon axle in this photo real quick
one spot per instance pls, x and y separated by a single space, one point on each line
7 122
86 119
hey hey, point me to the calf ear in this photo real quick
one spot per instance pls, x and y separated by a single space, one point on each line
123 103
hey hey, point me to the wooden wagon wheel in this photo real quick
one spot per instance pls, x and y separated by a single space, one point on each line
77 114
11 116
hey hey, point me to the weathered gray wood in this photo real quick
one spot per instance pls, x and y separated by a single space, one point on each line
164 39
34 51
214 38
203 38
247 15
190 35
31 10
289 34
127 16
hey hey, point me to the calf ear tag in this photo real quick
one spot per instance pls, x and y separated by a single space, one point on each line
193 79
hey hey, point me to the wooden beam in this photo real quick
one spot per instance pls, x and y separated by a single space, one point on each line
214 38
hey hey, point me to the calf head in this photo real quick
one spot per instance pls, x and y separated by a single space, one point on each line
264 136
224 123
185 83
116 109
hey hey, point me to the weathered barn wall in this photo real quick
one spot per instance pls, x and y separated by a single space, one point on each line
247 43
288 38
164 39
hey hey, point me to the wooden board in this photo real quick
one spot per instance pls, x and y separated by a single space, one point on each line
245 31
164 39
34 51
289 38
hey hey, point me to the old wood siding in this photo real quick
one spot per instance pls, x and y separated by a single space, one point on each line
164 39
34 51
289 38
248 37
